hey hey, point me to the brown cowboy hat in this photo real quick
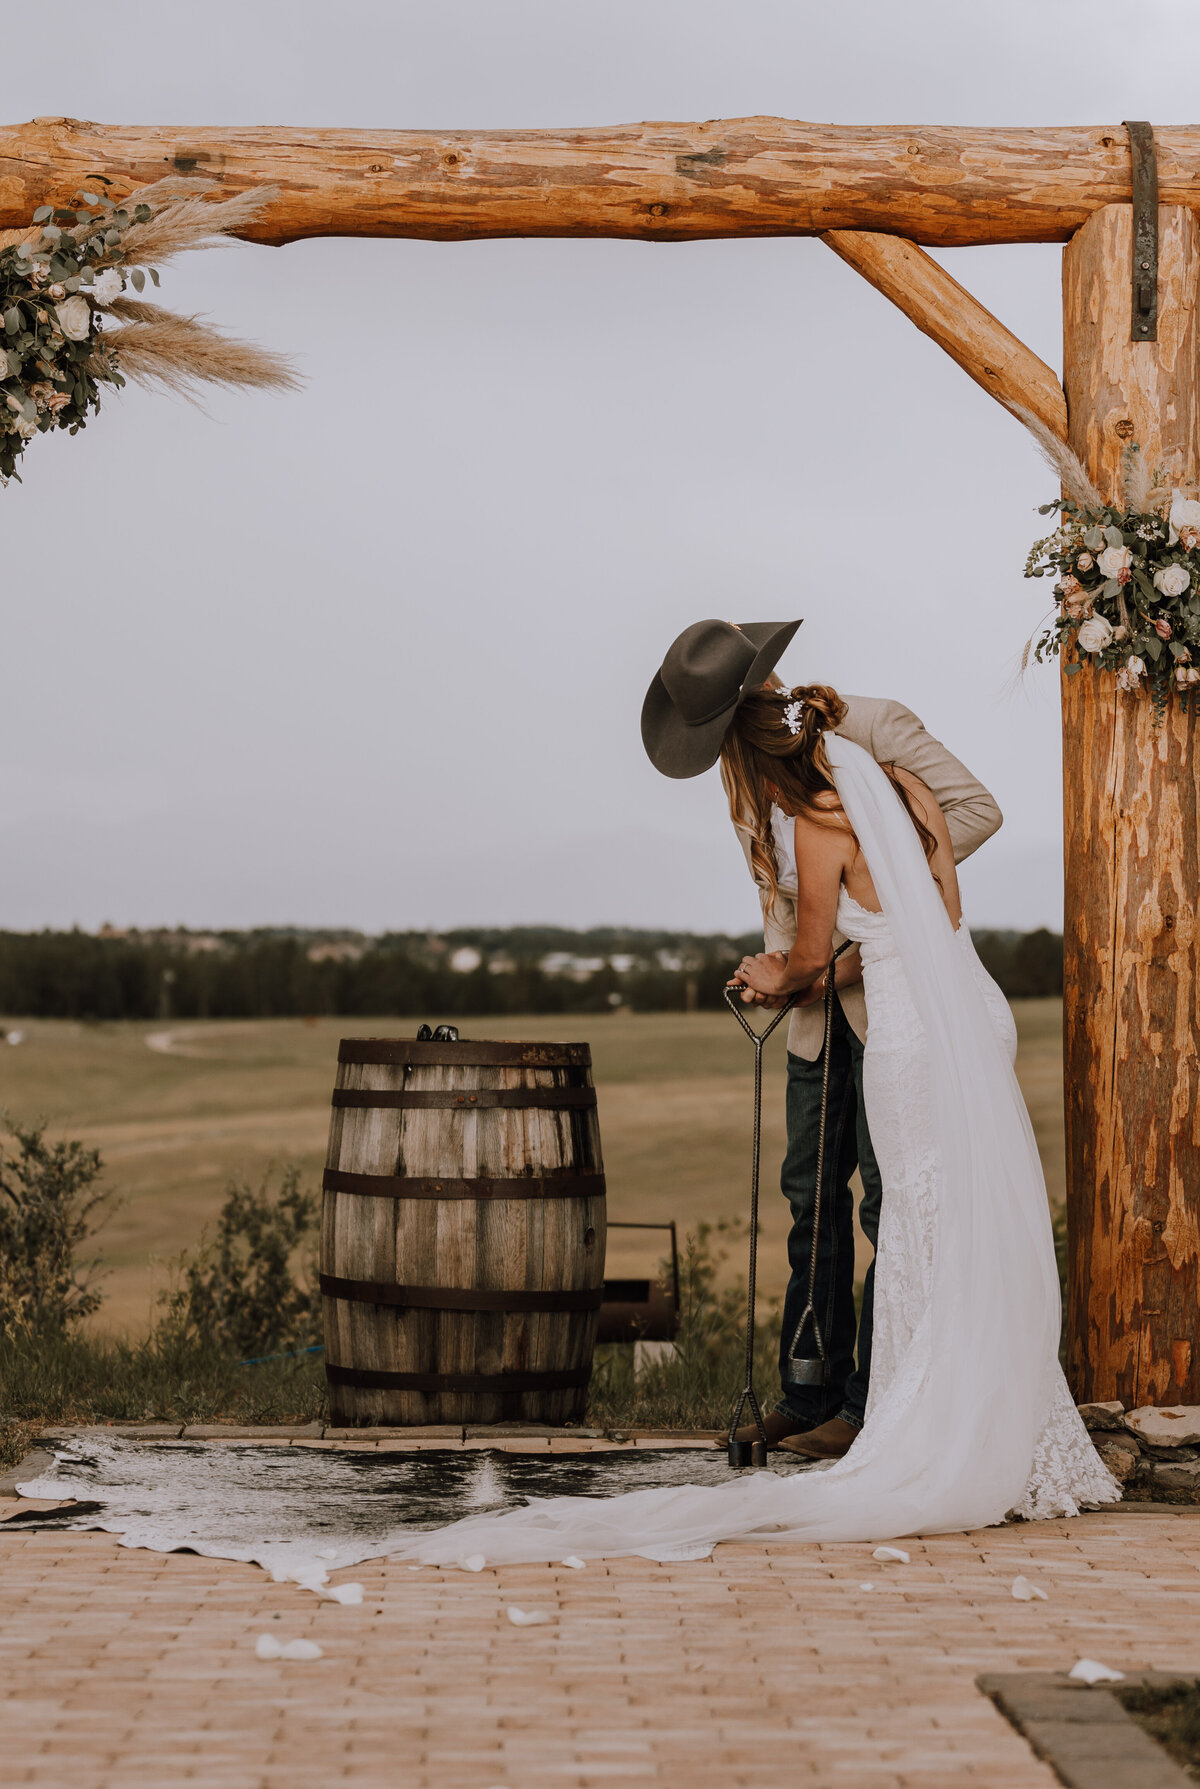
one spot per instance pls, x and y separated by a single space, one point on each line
708 672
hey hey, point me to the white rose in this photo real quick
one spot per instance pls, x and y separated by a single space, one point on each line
1113 560
1172 580
75 318
107 285
1095 634
1136 667
1185 513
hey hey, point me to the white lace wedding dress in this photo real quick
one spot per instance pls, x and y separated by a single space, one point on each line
969 1417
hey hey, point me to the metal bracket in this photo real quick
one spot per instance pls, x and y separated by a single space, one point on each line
1143 323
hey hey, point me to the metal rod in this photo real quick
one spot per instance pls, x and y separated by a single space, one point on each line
742 1453
814 1369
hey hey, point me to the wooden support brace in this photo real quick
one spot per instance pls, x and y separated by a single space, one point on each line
947 313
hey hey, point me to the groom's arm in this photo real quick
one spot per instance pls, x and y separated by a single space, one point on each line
972 813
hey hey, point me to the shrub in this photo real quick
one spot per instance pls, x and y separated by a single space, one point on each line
49 1203
697 1385
239 1292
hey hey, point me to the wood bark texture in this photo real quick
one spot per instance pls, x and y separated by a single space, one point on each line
417 1197
942 185
947 313
1132 848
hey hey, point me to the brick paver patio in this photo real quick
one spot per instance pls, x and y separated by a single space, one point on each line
765 1666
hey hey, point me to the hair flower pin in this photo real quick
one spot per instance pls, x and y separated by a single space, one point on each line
792 717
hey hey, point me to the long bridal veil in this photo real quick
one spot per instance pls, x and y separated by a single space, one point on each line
949 1442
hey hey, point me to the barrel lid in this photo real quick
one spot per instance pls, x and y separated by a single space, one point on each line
469 1053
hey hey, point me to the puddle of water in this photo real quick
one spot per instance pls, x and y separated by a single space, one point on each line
260 1503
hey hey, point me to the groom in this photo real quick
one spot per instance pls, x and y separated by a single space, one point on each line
689 707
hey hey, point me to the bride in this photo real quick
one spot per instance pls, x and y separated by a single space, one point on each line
968 1418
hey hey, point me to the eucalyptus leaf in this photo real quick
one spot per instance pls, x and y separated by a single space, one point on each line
1113 536
153 272
42 213
1093 540
89 198
138 278
1072 670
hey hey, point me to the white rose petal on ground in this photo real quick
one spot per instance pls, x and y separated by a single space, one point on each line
342 1593
474 1562
892 1553
302 1649
1092 1671
1025 1592
268 1647
866 1587
576 1564
525 1617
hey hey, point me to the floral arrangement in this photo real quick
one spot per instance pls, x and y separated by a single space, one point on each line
1128 581
71 325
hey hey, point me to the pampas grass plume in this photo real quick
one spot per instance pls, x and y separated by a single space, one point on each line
1058 456
155 347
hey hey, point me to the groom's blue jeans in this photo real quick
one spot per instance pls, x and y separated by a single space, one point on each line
847 1146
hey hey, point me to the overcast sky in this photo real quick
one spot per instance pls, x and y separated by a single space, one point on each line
374 655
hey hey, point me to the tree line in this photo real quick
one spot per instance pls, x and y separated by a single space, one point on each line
286 974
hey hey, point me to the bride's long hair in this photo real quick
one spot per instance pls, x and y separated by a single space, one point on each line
764 764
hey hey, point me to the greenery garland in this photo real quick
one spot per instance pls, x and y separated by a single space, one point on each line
55 357
71 327
1128 594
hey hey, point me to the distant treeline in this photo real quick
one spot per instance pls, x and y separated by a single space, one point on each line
528 969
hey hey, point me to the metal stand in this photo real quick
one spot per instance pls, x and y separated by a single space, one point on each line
810 1370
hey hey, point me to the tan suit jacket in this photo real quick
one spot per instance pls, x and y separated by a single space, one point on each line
893 735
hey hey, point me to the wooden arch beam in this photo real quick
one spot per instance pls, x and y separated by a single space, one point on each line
947 186
946 312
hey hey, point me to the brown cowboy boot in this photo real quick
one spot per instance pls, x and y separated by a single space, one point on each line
778 1426
829 1442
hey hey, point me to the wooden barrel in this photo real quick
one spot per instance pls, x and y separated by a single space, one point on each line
462 1235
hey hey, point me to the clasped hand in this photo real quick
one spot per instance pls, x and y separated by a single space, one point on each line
763 980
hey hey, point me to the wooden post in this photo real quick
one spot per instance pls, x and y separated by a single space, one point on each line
1132 849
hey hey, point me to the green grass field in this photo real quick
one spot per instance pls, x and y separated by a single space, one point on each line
176 1113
